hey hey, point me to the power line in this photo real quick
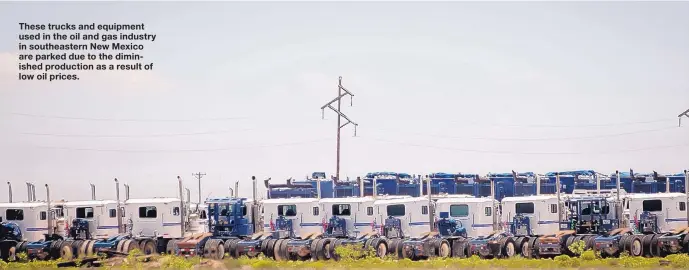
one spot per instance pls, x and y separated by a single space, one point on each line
526 153
135 136
198 176
181 150
340 115
537 139
685 113
613 124
124 120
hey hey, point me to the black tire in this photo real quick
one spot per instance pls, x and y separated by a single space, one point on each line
270 248
367 244
233 248
325 246
221 250
76 245
590 242
392 247
533 245
525 249
314 248
653 250
81 249
646 243
459 248
510 249
381 247
623 246
90 251
635 247
264 247
444 249
406 254
283 250
277 253
130 246
66 252
569 240
171 247
54 250
333 247
148 247
21 247
11 254
208 249
518 244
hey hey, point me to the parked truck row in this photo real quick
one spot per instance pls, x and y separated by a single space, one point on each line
437 225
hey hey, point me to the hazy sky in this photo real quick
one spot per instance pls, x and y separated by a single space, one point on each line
445 86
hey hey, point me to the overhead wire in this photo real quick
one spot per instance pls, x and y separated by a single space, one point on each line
536 139
124 120
139 135
184 150
612 124
524 153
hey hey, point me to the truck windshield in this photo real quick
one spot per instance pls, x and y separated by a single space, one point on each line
524 208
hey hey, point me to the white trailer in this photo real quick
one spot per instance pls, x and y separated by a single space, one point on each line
413 214
32 218
542 211
155 217
306 215
358 213
670 209
101 216
473 214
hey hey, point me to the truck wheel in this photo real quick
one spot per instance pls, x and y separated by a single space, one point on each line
646 245
509 249
89 248
21 247
635 247
270 246
333 245
54 250
148 247
221 250
130 246
11 254
277 250
590 242
533 248
119 245
171 247
66 250
264 247
81 250
459 248
381 247
326 248
392 246
214 249
367 244
444 249
685 243
75 248
283 250
526 249
406 253
232 248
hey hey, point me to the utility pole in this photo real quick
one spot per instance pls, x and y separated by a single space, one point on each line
685 113
198 176
340 115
